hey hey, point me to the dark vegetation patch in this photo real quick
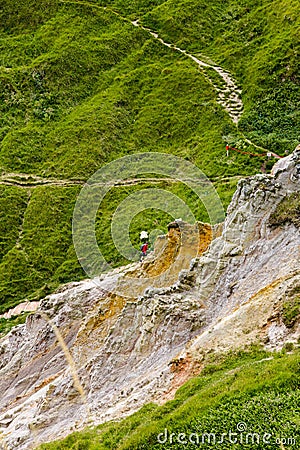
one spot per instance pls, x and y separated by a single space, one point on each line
7 324
290 311
287 211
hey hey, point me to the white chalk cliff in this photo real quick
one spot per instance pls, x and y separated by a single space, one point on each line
89 354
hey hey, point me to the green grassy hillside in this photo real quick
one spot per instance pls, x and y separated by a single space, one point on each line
250 392
256 40
81 86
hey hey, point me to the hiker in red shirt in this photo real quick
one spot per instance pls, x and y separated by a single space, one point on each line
144 248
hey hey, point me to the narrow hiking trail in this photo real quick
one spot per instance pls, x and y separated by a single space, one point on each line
32 181
228 95
226 87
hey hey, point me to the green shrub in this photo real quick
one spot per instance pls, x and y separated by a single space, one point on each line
291 311
7 324
288 210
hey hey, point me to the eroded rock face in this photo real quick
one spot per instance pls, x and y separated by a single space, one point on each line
90 354
245 277
172 254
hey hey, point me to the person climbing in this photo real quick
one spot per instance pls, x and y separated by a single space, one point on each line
144 248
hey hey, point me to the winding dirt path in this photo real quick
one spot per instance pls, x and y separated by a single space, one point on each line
33 181
228 94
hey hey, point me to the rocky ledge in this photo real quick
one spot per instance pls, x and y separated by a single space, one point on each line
93 351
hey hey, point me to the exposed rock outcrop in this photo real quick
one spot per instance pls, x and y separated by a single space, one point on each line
90 354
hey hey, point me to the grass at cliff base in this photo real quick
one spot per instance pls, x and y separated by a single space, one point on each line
248 392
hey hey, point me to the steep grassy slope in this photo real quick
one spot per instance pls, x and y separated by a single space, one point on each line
259 42
248 392
92 87
81 86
